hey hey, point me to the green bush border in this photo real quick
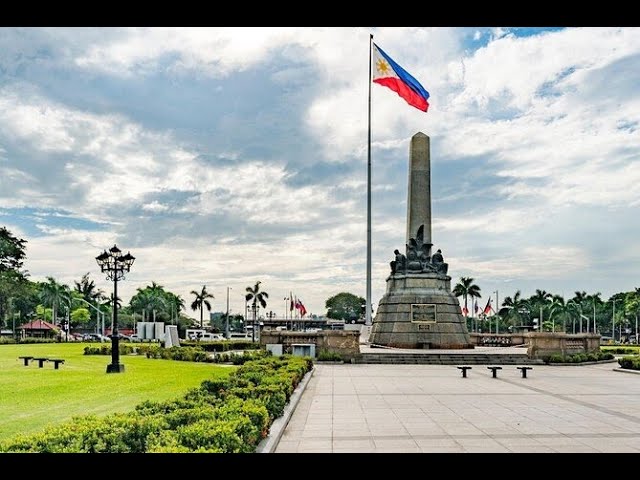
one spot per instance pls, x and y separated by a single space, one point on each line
580 357
230 415
632 362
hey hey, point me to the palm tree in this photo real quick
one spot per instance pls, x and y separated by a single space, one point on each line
88 289
157 299
514 309
176 305
466 288
541 301
201 301
54 293
255 296
563 310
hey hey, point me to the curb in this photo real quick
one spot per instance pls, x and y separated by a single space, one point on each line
269 444
626 370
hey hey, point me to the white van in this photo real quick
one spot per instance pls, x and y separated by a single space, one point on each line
202 335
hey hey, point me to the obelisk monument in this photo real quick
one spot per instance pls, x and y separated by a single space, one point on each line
419 190
418 309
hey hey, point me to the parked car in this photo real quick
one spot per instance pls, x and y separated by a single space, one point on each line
95 337
129 338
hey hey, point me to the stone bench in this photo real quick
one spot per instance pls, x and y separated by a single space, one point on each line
26 360
494 371
41 361
464 370
524 370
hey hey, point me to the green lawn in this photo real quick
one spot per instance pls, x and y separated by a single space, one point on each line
32 397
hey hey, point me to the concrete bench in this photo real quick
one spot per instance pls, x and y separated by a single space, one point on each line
26 360
40 361
464 370
524 370
494 371
56 362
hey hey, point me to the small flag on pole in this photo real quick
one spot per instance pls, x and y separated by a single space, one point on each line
488 308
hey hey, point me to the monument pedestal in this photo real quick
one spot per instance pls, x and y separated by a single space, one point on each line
419 311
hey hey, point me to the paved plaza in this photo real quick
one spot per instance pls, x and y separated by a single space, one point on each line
354 408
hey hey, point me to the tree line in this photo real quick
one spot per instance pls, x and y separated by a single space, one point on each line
549 311
84 306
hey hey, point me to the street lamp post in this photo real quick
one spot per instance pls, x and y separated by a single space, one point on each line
115 265
226 327
613 322
497 306
100 314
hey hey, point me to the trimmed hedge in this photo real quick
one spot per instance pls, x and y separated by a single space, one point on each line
221 346
11 340
580 357
185 354
630 362
228 415
622 350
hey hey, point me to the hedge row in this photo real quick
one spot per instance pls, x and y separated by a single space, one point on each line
222 345
11 340
622 350
580 357
185 354
229 415
631 362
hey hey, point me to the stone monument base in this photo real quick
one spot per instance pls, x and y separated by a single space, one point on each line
419 311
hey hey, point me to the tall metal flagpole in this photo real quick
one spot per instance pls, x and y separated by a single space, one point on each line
368 307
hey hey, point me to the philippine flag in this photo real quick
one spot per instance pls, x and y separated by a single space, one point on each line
388 73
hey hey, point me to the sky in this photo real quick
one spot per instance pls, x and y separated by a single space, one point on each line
226 156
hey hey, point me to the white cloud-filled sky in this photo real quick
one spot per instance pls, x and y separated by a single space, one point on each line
226 156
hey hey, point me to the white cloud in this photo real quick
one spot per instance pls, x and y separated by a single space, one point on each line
551 121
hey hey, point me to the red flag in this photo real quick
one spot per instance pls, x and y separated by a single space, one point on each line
488 308
465 311
303 310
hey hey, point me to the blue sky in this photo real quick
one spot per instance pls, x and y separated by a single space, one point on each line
224 156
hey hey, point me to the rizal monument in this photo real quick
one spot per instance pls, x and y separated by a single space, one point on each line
418 309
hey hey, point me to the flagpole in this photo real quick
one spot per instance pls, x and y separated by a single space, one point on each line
368 307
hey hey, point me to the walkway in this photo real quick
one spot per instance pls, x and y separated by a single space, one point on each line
431 408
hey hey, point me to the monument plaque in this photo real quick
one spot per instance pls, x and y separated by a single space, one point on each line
423 313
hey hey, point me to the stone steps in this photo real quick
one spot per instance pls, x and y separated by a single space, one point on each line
446 359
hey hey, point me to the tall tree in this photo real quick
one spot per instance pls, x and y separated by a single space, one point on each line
54 294
201 301
88 289
541 301
344 306
12 279
465 288
255 296
561 310
515 309
12 251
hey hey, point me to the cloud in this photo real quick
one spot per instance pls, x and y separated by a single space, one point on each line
230 155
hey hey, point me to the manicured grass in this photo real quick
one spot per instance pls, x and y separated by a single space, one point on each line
32 397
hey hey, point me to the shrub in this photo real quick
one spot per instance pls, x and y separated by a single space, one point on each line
7 340
325 355
630 362
36 340
223 415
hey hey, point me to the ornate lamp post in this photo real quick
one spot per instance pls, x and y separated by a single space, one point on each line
115 265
